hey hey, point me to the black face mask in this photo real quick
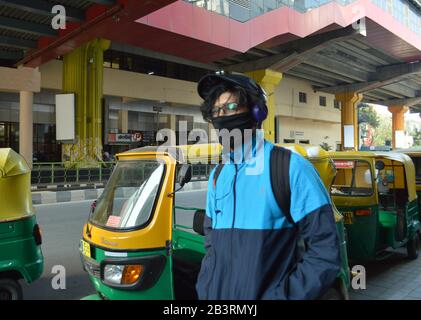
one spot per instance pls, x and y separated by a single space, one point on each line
240 121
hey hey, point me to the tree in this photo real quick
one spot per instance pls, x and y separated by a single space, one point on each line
416 134
383 132
367 114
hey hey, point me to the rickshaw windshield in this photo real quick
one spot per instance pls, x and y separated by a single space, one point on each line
353 179
129 198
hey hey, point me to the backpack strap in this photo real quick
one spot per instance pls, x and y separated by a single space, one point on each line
218 170
279 176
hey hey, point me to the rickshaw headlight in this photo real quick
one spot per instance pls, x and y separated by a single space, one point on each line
113 273
122 274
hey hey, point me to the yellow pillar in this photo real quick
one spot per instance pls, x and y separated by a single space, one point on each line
398 124
268 80
26 125
349 119
83 76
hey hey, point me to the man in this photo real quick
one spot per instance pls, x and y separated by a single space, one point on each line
251 248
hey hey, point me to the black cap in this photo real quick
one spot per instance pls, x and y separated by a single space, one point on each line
208 82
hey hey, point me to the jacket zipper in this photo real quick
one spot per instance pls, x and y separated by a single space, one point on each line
233 219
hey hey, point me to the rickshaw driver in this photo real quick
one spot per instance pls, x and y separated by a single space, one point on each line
251 248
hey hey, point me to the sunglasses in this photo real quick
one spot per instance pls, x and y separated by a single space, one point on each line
227 108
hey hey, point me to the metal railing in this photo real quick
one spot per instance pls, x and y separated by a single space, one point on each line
54 173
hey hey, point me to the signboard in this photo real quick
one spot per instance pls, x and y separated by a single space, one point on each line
344 164
124 138
65 117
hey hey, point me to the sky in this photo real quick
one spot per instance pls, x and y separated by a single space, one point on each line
382 110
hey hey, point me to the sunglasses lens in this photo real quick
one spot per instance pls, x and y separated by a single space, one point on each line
231 106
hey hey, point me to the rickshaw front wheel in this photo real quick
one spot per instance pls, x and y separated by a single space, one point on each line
412 247
10 289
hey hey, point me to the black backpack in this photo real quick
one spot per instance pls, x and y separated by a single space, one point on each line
279 176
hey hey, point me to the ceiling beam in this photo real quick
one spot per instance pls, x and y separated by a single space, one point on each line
103 2
44 8
384 75
11 55
298 51
343 69
399 102
17 43
27 27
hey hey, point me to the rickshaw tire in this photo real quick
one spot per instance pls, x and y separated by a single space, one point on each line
13 287
412 247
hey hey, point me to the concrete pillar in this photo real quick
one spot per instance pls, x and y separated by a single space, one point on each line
26 126
398 125
171 122
123 121
349 119
268 80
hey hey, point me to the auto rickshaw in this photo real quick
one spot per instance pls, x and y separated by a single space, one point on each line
376 193
415 155
20 237
144 237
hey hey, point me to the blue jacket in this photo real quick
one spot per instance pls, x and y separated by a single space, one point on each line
251 248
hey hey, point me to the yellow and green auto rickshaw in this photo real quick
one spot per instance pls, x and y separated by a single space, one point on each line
415 155
376 193
144 237
20 236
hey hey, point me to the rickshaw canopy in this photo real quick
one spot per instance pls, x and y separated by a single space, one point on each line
318 157
181 153
15 186
401 158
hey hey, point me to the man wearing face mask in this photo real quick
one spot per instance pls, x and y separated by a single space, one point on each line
251 242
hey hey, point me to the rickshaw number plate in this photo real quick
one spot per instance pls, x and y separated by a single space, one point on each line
348 217
86 248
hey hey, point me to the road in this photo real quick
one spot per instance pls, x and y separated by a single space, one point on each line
395 278
61 226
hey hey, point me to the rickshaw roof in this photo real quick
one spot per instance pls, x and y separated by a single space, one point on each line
12 163
410 151
308 151
182 153
390 155
396 156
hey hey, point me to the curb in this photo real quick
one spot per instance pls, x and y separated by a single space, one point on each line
45 197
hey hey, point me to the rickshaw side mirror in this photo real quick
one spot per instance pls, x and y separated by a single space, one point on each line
184 174
198 220
379 165
93 206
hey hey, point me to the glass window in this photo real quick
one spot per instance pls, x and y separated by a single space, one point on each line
130 195
322 101
353 178
336 104
302 96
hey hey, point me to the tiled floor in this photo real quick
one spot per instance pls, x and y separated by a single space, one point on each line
395 278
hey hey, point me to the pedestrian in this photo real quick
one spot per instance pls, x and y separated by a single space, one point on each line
252 248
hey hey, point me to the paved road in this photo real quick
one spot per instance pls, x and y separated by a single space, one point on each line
395 278
61 225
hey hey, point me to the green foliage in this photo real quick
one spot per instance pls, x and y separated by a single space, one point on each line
416 134
367 114
383 132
